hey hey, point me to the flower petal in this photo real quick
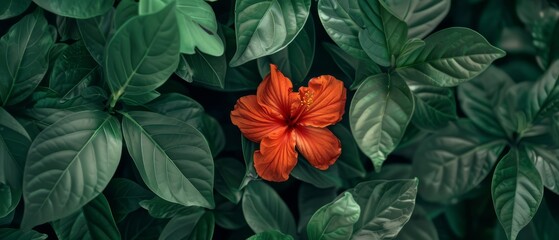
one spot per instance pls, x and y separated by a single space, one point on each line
251 119
322 102
274 94
277 156
318 145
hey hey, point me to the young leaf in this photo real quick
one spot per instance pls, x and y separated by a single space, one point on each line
24 57
342 21
76 9
386 206
446 65
265 27
68 164
435 107
161 208
380 110
228 177
12 233
173 158
461 155
124 196
420 227
207 70
95 34
12 8
334 220
517 191
142 54
545 160
93 221
264 210
384 34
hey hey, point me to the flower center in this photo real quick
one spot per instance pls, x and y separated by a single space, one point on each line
307 99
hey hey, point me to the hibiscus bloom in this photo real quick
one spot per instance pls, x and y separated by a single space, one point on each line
282 120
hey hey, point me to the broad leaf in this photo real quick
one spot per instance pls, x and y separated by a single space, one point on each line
421 16
228 176
67 28
124 196
454 161
76 9
544 94
334 220
305 172
160 208
173 158
93 221
309 200
126 10
265 27
380 111
435 107
195 226
384 33
68 164
517 191
229 215
342 21
386 206
24 57
95 34
420 227
207 70
442 64
142 54
411 47
12 8
270 235
264 210
547 163
18 234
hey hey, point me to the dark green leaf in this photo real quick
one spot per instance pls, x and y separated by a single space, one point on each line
547 163
18 234
334 220
270 235
142 54
442 64
12 8
386 206
349 164
454 161
9 199
435 107
411 47
173 158
544 225
210 127
264 210
310 199
140 226
182 226
517 191
95 33
184 70
364 69
345 62
76 9
384 33
305 172
544 94
93 221
229 215
421 16
380 110
124 196
207 70
265 27
67 28
126 10
420 227
248 148
161 208
228 176
24 57
54 183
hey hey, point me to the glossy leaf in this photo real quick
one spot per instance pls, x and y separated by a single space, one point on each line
435 107
81 150
461 155
547 163
386 206
207 70
161 208
411 47
76 9
421 16
309 200
334 220
442 64
380 111
124 196
342 21
228 177
24 57
264 210
384 33
265 27
517 191
173 158
270 235
142 54
545 94
93 221
12 8
18 234
95 33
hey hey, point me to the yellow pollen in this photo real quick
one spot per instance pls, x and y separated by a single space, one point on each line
307 99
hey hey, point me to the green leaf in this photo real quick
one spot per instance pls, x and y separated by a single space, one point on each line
296 59
479 96
95 33
73 71
124 196
126 10
264 210
211 128
545 160
265 27
446 65
305 172
139 226
207 70
421 16
270 235
517 191
420 227
54 182
76 9
161 208
24 57
544 95
334 220
435 107
309 200
67 28
228 178
343 60
411 47
12 8
142 54
195 226
196 22
543 224
18 234
454 161
93 221
342 21
386 206
364 69
248 148
349 163
173 158
384 34
380 110
14 144
229 215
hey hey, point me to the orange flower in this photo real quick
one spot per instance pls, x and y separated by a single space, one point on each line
280 120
